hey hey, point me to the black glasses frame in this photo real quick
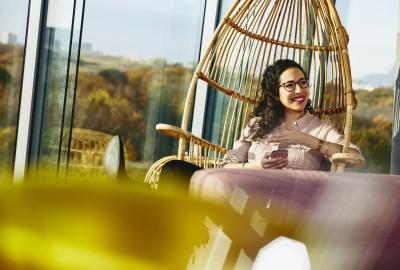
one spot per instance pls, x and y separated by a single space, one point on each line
299 82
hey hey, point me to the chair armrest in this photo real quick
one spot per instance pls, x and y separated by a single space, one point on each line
179 133
341 161
172 131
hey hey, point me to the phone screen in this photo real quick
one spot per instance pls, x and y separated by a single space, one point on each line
279 153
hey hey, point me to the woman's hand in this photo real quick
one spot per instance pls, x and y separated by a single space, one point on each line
289 135
273 163
251 131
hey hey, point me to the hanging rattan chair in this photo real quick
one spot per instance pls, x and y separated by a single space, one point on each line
252 35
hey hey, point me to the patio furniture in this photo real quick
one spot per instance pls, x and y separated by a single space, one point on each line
83 157
114 159
252 35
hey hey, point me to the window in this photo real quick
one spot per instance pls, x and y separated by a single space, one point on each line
137 60
13 22
55 86
372 28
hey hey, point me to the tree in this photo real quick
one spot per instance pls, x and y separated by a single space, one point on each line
114 77
372 128
5 76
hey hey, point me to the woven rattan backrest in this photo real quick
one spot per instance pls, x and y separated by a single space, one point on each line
254 34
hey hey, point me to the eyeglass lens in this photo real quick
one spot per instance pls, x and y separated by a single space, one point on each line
290 86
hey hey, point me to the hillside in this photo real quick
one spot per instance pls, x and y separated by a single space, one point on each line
374 103
372 128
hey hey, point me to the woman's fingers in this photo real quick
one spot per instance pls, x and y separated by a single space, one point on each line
279 166
253 135
274 163
269 160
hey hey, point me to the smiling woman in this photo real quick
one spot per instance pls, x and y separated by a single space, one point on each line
282 120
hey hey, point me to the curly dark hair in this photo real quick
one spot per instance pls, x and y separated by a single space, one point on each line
268 109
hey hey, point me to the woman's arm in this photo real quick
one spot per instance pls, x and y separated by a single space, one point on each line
242 165
324 147
265 163
291 135
238 155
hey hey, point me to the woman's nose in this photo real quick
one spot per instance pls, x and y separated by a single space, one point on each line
297 88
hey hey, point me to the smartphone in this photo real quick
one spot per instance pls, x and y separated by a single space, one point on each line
279 153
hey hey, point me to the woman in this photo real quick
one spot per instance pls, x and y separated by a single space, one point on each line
282 120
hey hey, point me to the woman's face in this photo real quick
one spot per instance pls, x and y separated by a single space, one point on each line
296 99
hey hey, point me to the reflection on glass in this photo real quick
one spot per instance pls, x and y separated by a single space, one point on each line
218 103
136 65
13 19
56 82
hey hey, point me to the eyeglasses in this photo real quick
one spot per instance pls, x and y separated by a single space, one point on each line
291 85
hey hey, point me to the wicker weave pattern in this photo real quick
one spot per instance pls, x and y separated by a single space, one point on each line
254 34
85 155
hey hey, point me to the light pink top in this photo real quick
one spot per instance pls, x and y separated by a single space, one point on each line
299 156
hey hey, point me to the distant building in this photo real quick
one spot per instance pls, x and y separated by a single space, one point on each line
57 45
86 47
9 38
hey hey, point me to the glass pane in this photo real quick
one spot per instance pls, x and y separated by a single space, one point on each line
225 5
71 86
374 69
218 105
136 65
13 19
56 83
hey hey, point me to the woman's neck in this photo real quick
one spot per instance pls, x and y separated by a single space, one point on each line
291 116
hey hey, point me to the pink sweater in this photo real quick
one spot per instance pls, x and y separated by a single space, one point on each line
299 156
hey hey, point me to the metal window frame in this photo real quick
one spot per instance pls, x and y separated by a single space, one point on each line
27 90
200 101
31 105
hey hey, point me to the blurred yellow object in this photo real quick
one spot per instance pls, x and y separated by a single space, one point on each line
88 227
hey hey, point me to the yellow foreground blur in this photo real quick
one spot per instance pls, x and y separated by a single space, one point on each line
97 227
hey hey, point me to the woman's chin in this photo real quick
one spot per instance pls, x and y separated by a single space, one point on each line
296 108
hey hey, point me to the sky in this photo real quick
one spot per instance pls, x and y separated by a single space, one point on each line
147 29
144 29
13 17
372 27
371 24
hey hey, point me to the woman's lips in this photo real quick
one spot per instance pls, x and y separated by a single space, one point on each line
299 99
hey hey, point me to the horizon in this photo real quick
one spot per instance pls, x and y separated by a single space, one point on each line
362 18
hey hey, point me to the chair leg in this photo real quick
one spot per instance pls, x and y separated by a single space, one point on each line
114 160
176 174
